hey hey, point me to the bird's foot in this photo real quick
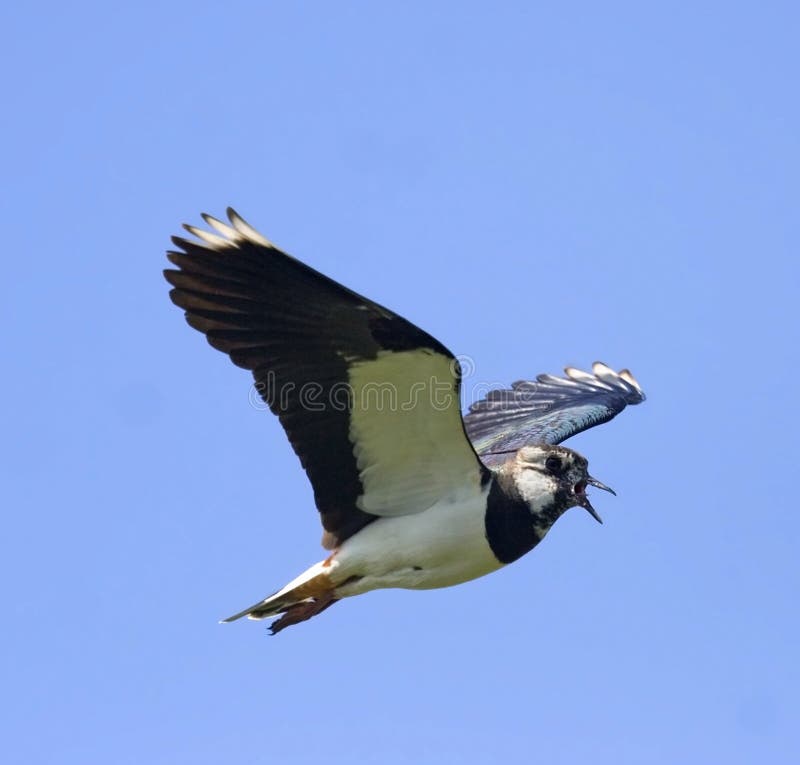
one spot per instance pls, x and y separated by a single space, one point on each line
300 612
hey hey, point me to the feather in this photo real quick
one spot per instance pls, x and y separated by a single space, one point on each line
548 410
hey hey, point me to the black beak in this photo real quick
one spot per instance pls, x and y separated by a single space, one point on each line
584 500
598 485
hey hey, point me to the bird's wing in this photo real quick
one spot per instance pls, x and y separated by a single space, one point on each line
370 402
548 410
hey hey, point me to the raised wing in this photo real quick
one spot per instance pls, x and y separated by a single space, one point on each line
548 410
369 401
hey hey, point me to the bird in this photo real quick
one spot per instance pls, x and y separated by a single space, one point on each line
411 493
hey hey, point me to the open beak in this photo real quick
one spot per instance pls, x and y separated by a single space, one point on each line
598 485
583 500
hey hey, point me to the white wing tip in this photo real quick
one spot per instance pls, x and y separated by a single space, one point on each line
213 241
600 369
604 376
246 230
220 227
626 375
225 236
577 374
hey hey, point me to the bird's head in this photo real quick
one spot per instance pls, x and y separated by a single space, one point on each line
551 479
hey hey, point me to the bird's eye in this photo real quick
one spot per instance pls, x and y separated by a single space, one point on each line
553 464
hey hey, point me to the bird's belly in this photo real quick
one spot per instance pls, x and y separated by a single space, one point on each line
443 546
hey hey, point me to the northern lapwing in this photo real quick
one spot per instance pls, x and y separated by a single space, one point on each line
410 493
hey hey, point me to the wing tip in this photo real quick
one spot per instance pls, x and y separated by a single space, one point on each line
627 376
245 230
223 236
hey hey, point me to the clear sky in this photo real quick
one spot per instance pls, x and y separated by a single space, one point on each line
534 184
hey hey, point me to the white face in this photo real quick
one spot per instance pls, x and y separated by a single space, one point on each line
543 470
536 487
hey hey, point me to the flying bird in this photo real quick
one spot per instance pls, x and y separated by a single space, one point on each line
410 493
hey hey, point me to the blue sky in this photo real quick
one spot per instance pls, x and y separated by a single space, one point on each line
536 185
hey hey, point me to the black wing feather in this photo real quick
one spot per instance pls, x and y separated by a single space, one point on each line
548 410
298 332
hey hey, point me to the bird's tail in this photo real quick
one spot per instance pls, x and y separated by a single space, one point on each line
306 596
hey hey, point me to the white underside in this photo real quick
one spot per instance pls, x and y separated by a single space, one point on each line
443 546
440 547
